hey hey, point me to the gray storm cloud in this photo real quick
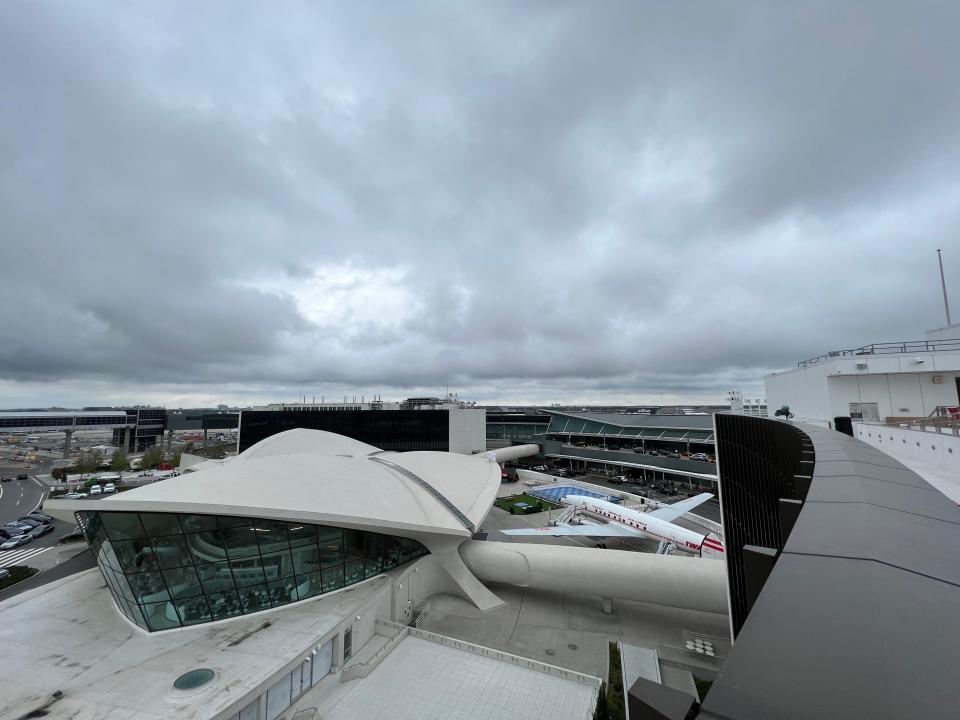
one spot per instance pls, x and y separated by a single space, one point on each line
530 201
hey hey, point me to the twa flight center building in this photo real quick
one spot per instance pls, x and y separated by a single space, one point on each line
278 581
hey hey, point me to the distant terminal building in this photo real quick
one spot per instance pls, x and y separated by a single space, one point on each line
654 446
145 429
515 427
874 383
134 429
446 426
755 407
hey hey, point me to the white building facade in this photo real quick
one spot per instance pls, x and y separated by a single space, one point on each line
873 383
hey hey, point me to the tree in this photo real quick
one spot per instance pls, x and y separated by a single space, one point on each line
216 452
784 412
151 458
119 460
88 462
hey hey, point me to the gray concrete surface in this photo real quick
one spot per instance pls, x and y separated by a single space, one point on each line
570 631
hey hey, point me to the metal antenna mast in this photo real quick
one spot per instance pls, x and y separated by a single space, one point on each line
943 284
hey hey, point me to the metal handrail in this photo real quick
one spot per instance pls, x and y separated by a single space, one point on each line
891 348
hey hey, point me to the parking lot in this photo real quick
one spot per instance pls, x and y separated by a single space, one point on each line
17 499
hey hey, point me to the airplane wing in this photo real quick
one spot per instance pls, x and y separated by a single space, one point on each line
669 513
608 530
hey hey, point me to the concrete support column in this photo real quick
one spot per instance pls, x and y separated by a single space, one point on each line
67 442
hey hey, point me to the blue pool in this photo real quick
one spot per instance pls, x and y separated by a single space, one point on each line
555 492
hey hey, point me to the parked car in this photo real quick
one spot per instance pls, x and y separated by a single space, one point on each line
41 530
15 542
4 573
17 528
29 522
109 488
36 517
74 496
652 452
22 476
702 457
6 479
96 490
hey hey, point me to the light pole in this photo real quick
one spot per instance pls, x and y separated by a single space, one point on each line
943 285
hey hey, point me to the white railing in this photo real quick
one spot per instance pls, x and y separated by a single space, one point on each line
420 611
362 669
536 665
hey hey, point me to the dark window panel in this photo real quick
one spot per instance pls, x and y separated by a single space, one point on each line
198 523
122 525
161 616
194 610
182 582
353 572
255 598
271 536
148 587
247 572
283 592
207 546
228 521
216 577
172 551
310 585
332 578
132 556
240 542
160 524
302 534
224 605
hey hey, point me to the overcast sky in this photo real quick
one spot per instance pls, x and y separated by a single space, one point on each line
528 202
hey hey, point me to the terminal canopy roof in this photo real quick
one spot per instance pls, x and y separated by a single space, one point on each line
685 428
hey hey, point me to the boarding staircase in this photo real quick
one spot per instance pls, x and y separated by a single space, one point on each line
420 611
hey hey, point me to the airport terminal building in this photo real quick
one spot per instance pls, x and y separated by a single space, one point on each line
280 578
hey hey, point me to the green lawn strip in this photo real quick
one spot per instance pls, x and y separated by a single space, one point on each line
18 573
506 503
616 703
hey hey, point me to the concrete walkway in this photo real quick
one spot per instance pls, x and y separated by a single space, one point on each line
570 631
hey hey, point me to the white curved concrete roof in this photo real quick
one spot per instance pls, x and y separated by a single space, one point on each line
319 477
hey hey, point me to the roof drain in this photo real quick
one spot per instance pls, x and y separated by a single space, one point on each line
436 494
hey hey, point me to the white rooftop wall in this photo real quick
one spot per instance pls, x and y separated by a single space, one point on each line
468 430
902 385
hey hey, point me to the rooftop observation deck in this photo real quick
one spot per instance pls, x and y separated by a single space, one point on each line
843 579
902 347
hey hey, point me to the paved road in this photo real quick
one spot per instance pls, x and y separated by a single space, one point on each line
17 498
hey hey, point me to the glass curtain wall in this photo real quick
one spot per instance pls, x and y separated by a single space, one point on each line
169 570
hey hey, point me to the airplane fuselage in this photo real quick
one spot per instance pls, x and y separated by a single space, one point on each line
653 528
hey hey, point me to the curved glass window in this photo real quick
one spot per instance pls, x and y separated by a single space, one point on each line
166 570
